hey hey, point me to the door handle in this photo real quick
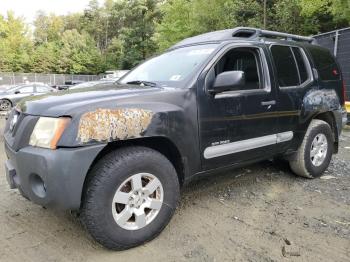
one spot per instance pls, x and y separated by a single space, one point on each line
268 103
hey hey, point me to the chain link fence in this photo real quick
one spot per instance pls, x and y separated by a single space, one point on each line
50 79
338 42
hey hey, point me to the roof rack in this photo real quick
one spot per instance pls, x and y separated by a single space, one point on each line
242 32
256 33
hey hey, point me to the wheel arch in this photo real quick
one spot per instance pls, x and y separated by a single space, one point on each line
161 144
330 119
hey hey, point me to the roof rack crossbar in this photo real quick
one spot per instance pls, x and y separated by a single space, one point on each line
266 33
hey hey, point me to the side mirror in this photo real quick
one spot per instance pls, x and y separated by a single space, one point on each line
17 92
227 81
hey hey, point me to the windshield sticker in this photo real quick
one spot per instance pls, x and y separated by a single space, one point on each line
175 78
201 52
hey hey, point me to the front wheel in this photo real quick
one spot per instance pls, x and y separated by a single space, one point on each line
5 105
315 152
130 197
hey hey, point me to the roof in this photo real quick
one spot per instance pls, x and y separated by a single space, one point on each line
239 33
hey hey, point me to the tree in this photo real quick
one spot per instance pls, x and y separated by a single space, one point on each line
95 22
286 17
45 57
122 33
176 23
15 45
48 28
326 15
113 54
78 54
137 35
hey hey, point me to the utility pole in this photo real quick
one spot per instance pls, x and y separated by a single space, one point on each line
265 14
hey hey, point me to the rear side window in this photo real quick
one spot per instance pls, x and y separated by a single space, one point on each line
41 89
325 64
301 64
287 72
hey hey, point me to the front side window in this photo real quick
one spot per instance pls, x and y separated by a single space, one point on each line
26 89
171 68
244 59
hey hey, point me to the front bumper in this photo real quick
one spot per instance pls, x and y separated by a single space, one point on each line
51 178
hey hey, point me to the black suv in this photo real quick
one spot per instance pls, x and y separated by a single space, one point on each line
120 153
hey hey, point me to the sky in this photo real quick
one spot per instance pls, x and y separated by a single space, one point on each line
28 8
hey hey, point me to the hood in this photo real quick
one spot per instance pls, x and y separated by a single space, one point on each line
71 102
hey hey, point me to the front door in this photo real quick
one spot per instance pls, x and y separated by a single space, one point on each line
241 124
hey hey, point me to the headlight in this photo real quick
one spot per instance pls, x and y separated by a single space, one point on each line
48 131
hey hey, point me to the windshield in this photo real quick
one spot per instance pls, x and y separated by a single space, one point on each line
171 68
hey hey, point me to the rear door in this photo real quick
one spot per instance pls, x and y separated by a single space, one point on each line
294 78
238 125
21 93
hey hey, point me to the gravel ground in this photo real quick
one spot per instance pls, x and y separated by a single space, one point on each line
258 213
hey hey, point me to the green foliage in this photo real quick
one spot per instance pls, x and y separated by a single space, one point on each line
44 58
176 23
48 28
15 45
121 33
137 35
78 53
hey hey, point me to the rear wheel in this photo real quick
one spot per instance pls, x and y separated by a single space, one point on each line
130 197
315 152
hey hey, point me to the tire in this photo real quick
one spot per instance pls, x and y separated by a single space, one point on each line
5 105
302 162
109 176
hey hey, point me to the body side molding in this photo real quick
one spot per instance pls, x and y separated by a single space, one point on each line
248 144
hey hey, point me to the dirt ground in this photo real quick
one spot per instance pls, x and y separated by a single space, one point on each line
258 213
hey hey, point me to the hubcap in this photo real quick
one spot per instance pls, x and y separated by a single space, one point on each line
319 149
5 105
137 201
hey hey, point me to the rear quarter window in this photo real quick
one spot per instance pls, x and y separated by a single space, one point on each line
325 64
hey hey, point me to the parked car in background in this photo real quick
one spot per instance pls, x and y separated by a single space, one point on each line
3 87
68 84
61 87
10 96
115 74
93 84
74 82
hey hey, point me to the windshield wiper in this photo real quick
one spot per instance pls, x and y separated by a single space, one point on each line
142 83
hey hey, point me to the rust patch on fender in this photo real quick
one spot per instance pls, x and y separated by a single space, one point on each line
113 124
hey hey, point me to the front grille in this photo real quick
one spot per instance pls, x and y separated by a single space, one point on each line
19 127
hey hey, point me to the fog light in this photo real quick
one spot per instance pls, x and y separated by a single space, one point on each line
38 186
